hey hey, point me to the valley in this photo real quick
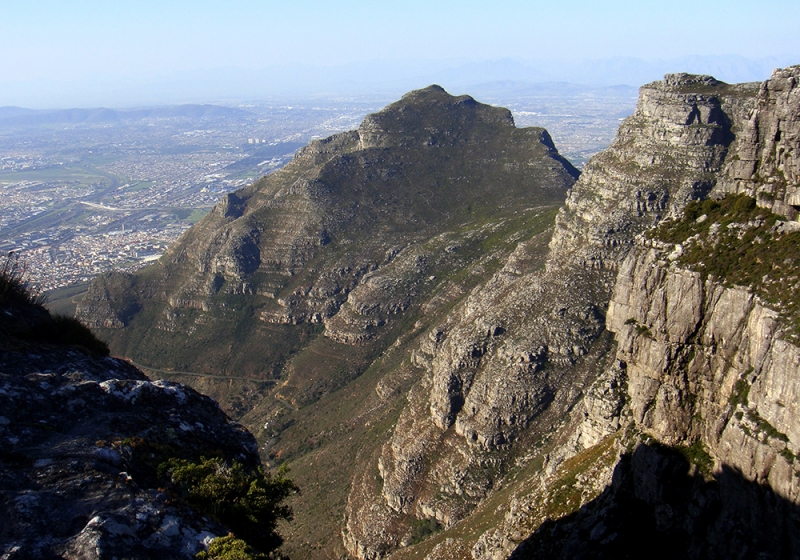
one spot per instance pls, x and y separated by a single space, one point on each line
463 346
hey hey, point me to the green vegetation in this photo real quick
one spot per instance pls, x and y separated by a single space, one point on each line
245 499
740 393
421 529
788 455
63 301
197 214
697 455
192 215
766 427
230 548
568 495
740 244
249 502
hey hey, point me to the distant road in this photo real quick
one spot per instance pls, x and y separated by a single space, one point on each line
195 374
101 206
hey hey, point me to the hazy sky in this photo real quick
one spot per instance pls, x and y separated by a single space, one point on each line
78 42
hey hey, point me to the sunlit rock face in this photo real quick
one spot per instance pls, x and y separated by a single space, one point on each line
510 362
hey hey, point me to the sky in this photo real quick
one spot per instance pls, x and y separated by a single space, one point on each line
110 52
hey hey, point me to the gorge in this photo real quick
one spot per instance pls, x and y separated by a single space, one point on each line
463 348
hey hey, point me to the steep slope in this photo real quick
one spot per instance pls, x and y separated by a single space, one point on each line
685 442
507 366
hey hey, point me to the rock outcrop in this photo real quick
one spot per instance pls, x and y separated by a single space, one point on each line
763 162
706 362
81 436
704 373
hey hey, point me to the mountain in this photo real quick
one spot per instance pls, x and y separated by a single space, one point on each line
345 239
16 116
471 374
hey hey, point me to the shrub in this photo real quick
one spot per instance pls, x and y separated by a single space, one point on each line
421 529
230 548
249 502
14 288
740 393
697 455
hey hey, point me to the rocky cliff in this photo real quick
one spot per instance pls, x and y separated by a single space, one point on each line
704 322
494 386
688 350
82 438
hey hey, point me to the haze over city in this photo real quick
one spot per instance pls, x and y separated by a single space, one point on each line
85 191
115 54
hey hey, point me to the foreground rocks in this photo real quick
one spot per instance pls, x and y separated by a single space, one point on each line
80 435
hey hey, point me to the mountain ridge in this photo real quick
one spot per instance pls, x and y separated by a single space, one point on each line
483 379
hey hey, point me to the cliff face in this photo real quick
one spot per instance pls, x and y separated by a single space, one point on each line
686 441
706 361
763 162
489 385
708 358
507 366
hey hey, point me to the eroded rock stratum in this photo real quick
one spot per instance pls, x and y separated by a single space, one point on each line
550 405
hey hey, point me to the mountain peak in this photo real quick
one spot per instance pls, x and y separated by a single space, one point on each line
430 116
295 244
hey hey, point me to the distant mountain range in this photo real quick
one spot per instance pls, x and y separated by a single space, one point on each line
18 116
387 79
